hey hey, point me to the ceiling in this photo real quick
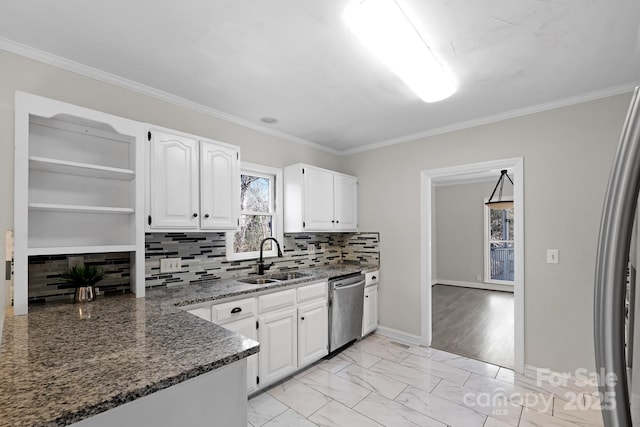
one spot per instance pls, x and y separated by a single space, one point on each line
296 60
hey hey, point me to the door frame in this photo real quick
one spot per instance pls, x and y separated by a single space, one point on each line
463 172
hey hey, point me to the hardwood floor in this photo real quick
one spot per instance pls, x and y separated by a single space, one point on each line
474 322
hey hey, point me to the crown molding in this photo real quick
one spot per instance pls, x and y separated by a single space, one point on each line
105 77
519 112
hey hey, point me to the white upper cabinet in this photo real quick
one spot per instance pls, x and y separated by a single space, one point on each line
174 181
194 184
220 186
345 202
317 199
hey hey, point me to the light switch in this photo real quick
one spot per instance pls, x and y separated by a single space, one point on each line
552 256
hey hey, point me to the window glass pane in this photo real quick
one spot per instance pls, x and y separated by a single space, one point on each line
253 228
255 194
501 261
501 224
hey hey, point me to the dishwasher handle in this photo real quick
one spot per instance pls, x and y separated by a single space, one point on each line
341 286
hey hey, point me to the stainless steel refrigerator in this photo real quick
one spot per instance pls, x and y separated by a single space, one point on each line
614 303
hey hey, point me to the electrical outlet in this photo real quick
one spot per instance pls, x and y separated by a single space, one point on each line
552 256
170 265
311 249
76 261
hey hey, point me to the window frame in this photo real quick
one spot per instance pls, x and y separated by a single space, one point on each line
487 252
277 220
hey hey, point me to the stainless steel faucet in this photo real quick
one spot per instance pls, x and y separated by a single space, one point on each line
261 267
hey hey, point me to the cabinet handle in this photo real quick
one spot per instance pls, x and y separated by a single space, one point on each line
236 310
373 277
206 215
302 318
366 296
337 221
195 215
332 221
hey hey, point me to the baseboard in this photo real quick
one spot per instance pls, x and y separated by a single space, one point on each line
399 335
486 286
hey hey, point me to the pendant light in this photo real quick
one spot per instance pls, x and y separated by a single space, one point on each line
498 203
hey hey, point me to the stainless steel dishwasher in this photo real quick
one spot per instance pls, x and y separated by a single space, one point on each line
346 295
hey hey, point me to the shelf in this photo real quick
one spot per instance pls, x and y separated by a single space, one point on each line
61 250
80 169
50 207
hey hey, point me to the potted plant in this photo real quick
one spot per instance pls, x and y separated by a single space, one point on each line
83 278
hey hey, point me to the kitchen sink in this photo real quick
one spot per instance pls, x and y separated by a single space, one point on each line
289 276
257 281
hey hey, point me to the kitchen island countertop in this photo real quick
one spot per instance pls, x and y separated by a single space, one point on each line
65 362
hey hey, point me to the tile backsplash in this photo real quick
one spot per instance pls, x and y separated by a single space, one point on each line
203 255
203 258
44 271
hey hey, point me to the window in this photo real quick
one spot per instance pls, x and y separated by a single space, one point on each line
499 244
260 212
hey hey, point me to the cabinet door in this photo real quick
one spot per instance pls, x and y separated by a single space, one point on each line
370 310
278 345
313 331
174 197
318 199
219 186
247 327
345 202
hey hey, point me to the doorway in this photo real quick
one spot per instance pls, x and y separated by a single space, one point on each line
467 173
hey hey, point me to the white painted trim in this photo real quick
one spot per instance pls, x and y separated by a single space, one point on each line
103 76
485 286
399 335
427 179
511 114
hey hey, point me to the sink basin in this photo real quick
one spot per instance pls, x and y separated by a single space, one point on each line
288 276
257 281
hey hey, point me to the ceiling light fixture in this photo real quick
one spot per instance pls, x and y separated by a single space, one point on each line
269 120
498 203
387 31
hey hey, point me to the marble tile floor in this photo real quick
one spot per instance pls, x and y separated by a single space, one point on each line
381 382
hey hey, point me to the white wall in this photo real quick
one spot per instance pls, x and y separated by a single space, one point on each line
567 156
459 240
20 73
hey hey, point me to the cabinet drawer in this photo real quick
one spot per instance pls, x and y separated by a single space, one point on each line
310 292
234 310
372 278
276 300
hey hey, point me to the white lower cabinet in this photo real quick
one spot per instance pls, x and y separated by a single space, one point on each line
291 326
370 310
312 331
278 345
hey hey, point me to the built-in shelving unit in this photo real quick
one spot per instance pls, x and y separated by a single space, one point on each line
79 186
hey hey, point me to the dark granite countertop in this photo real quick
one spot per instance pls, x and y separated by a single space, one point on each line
62 363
